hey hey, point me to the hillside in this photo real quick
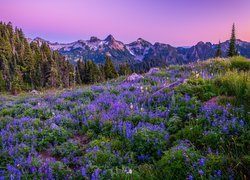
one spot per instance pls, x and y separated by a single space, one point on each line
182 122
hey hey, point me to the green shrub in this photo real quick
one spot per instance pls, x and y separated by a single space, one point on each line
49 136
176 163
212 139
174 124
240 63
148 144
60 170
200 88
216 66
184 106
67 148
193 133
233 83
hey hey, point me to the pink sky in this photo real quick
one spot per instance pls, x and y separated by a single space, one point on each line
176 22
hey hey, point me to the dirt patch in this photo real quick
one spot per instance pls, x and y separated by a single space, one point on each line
212 102
82 139
46 156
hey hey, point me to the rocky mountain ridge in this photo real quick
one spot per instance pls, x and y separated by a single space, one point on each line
139 51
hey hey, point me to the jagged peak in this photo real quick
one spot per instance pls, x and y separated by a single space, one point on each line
109 38
94 39
200 43
141 40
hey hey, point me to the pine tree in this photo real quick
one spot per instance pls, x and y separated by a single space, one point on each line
26 65
232 51
2 83
4 67
124 69
109 69
218 51
16 82
78 73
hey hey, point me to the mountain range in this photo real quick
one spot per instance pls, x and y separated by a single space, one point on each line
139 51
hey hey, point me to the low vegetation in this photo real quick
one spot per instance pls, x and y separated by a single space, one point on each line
134 130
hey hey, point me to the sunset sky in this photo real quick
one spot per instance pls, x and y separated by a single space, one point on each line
176 22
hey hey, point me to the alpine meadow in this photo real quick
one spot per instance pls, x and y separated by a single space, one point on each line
125 109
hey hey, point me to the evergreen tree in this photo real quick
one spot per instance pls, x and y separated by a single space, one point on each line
78 73
16 82
232 51
109 69
218 51
2 83
124 69
25 66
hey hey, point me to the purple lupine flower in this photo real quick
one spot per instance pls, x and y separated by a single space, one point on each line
225 129
1 175
202 162
83 171
234 122
143 157
201 172
159 153
166 136
242 123
218 173
33 169
96 174
190 177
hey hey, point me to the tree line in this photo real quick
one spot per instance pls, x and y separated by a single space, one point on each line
26 66
87 72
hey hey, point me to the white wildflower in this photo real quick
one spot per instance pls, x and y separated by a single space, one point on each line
131 106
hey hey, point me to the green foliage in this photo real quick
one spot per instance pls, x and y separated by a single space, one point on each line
216 66
60 170
109 69
124 69
2 83
173 164
67 148
49 136
233 83
193 133
88 72
200 88
148 143
218 51
25 66
240 63
232 50
124 174
174 124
